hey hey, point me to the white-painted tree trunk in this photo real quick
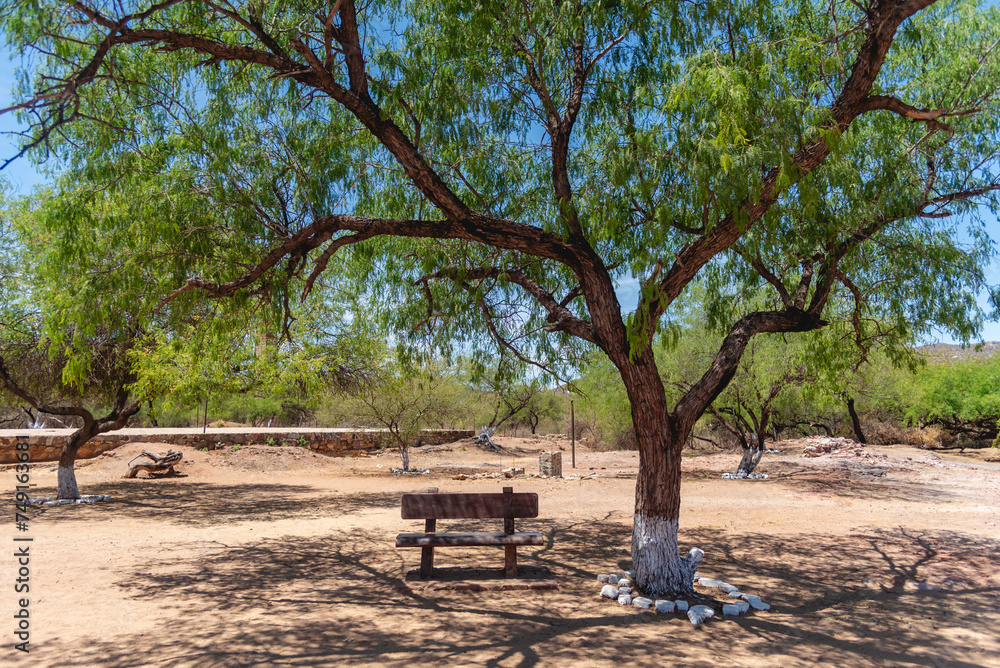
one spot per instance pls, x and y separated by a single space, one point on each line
67 488
659 568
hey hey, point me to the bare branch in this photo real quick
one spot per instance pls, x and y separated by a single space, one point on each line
558 314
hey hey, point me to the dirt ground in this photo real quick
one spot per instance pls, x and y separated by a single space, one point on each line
273 556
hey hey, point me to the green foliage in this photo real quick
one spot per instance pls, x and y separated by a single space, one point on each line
403 400
685 111
961 396
602 408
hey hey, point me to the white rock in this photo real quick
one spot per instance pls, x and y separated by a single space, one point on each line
700 613
625 582
735 594
609 591
757 604
682 606
719 584
642 602
630 574
625 599
624 590
743 606
614 578
665 606
730 609
602 578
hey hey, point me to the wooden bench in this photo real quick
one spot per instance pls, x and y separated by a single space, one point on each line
432 507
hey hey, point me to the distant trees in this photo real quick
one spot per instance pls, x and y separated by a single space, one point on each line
402 400
961 397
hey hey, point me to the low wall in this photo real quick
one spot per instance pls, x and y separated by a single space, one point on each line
44 445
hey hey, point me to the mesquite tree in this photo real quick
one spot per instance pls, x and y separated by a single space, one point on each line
109 379
500 168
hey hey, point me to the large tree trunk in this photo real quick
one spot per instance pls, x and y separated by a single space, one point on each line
659 568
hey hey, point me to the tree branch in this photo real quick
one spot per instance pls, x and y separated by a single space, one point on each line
558 314
929 116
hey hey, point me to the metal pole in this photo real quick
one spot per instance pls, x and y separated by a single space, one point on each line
572 428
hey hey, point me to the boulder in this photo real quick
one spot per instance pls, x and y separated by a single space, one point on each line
699 613
665 607
609 591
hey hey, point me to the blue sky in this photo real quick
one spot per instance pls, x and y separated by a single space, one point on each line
23 177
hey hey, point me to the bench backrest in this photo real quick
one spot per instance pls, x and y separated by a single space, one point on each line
471 506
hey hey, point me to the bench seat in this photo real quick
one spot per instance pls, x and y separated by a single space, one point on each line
477 538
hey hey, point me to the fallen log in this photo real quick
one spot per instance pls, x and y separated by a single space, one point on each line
159 465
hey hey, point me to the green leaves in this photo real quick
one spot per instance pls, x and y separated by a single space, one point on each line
677 121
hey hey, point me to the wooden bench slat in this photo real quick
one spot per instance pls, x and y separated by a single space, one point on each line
477 538
469 506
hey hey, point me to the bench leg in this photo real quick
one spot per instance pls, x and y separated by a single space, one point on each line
426 562
510 560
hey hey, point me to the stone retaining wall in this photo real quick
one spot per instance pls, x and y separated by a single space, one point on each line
46 448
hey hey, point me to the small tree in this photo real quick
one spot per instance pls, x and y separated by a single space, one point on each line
109 376
403 401
40 373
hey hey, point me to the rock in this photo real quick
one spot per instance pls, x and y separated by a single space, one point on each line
729 609
910 585
700 613
742 606
625 599
665 606
609 591
624 590
602 578
735 594
682 606
641 602
630 574
757 604
718 584
625 582
614 578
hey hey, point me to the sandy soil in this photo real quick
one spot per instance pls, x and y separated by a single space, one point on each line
270 556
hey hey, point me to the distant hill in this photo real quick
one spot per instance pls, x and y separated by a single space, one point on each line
948 351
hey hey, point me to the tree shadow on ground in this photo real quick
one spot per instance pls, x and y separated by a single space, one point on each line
853 480
340 599
872 481
181 502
